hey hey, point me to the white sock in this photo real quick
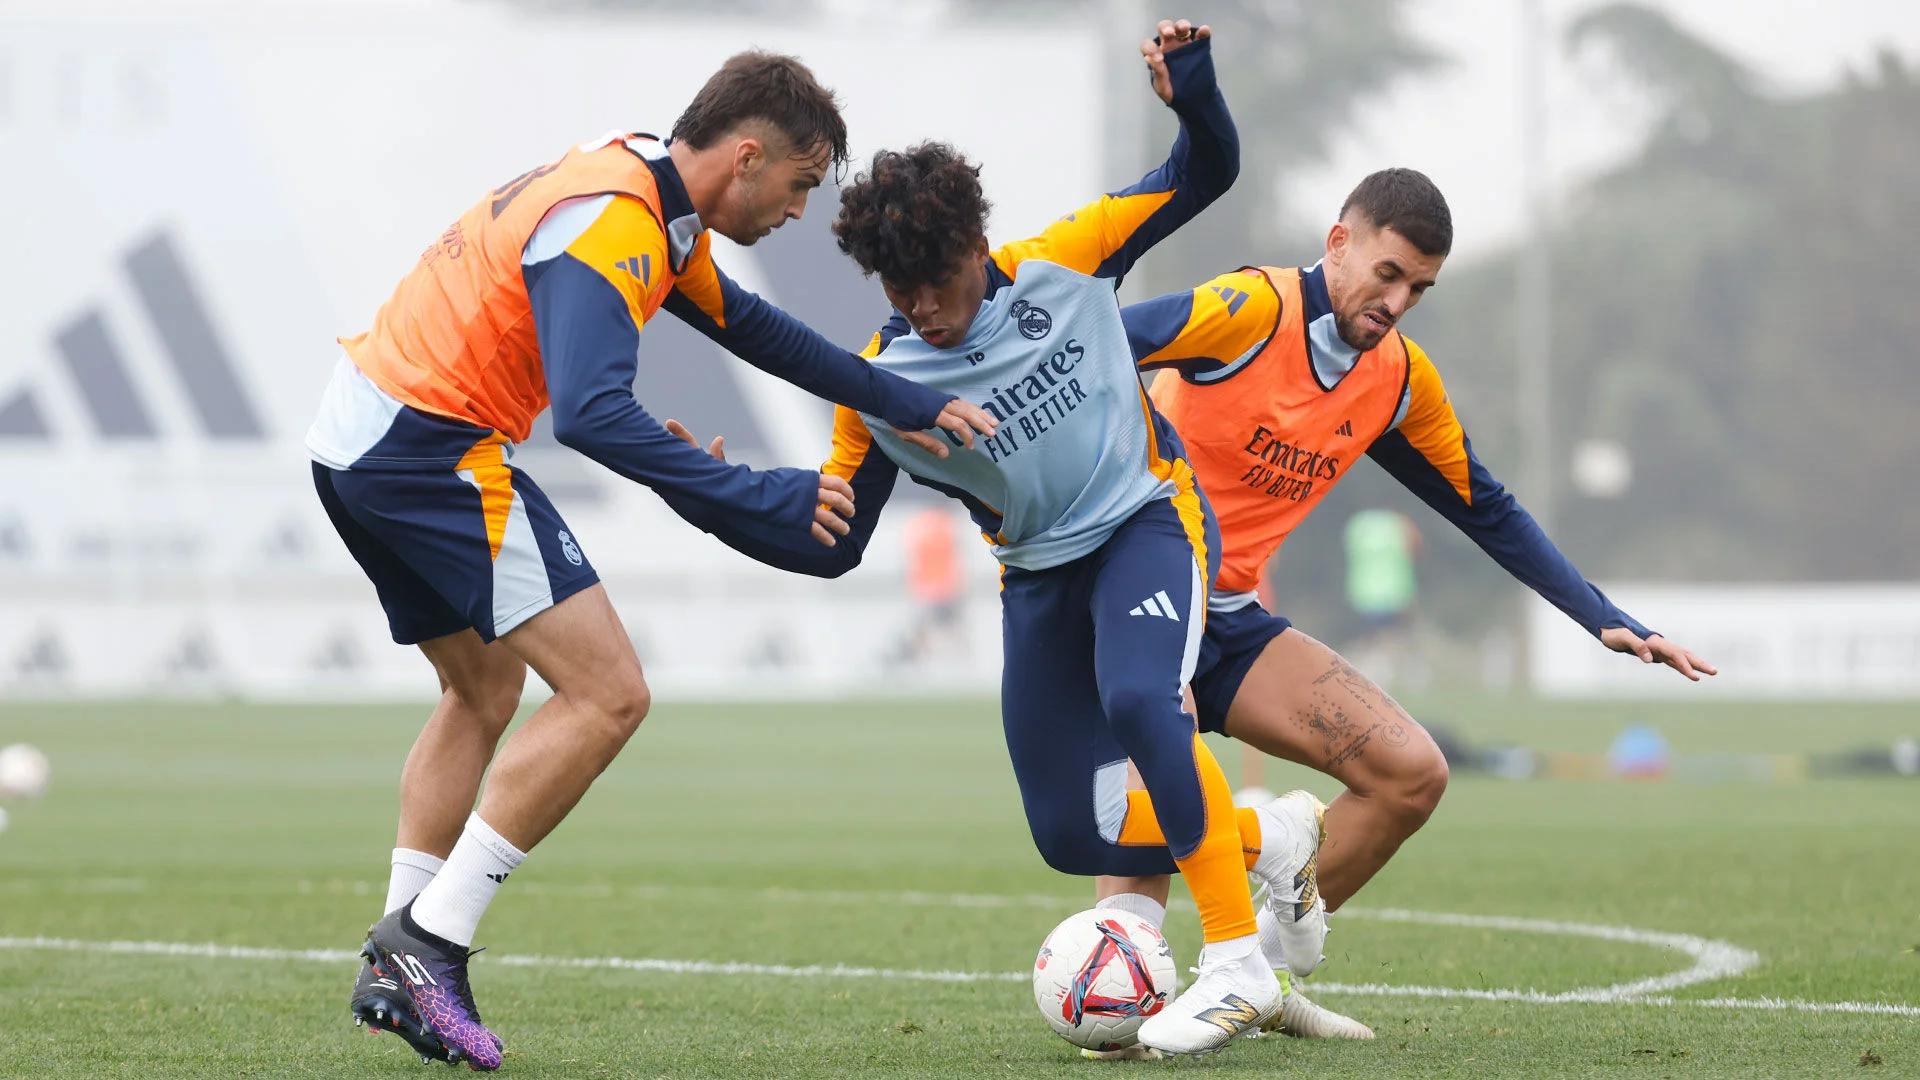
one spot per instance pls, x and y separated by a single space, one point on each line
1270 944
411 872
1138 904
1278 843
1231 949
452 903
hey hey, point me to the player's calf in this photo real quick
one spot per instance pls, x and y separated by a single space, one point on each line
1293 917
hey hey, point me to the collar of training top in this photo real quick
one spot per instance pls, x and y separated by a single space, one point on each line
683 224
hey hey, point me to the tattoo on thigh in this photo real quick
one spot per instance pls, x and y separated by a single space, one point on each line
1342 736
1346 677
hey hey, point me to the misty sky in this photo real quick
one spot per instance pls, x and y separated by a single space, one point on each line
1462 125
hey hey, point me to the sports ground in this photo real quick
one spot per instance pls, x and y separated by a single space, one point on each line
848 890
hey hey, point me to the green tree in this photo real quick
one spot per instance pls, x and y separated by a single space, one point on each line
1734 305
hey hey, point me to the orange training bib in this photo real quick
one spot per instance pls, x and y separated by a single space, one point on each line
457 337
1269 442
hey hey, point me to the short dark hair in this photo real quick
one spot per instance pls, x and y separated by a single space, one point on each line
1405 201
913 215
780 90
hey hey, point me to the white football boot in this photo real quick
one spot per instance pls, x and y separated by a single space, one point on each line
1293 915
1302 1019
1230 998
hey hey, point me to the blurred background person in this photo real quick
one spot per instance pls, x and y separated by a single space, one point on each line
1382 547
935 582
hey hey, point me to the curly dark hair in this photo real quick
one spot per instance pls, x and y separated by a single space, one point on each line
914 215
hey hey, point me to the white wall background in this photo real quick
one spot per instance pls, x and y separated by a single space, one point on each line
298 156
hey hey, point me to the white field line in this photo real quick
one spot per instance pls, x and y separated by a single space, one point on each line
671 967
843 971
1712 959
840 971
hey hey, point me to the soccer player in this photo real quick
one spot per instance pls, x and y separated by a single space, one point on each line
1280 380
1106 542
535 297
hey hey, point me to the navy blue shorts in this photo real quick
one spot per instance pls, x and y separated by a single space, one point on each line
466 540
1233 641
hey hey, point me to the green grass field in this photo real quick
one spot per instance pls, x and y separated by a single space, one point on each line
890 836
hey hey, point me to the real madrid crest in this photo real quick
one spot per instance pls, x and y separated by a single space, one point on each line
1033 322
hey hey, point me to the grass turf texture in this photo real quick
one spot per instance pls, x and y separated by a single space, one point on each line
785 834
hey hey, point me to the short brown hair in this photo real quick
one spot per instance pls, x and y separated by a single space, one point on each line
1408 203
913 216
780 90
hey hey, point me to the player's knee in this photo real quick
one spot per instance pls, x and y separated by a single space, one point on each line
1067 847
1419 786
487 696
1131 709
626 706
500 697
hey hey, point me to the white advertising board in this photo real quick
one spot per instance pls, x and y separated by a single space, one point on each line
1769 641
205 195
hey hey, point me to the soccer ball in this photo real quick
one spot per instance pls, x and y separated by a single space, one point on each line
1099 975
23 772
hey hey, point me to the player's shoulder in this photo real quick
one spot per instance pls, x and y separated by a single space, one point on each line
1075 241
1246 289
1420 368
1426 392
597 229
624 219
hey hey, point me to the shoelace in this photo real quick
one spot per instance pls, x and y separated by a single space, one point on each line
458 976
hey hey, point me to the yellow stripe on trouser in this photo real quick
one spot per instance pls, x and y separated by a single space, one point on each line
488 464
1216 872
1193 514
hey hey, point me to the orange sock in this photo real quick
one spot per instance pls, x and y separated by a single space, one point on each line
1216 871
1142 827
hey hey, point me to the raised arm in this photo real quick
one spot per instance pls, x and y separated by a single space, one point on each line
1105 237
588 313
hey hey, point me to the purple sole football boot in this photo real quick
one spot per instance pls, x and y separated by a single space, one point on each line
380 1003
433 973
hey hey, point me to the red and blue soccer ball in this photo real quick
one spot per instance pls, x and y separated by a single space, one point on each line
1099 975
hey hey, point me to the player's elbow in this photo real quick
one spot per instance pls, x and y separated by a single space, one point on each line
846 556
1229 169
574 430
1213 178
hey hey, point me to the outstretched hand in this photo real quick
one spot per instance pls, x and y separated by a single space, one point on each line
1657 650
962 418
1170 36
830 511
